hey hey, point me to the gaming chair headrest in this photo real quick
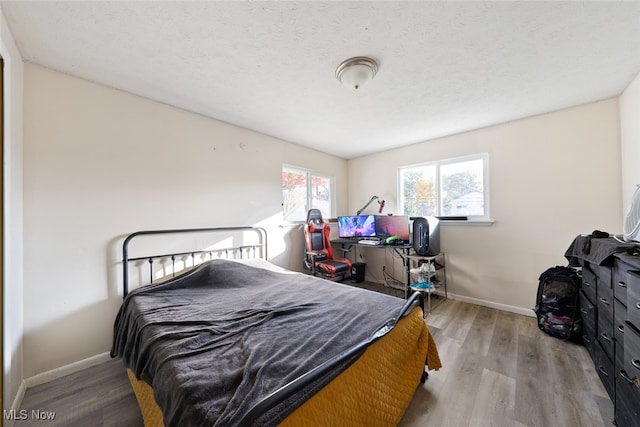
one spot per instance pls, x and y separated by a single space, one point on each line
314 220
314 215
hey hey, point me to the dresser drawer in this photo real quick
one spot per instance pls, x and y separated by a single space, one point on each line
619 317
631 352
605 328
588 313
589 283
633 298
620 269
589 341
618 363
627 402
604 290
603 272
623 263
604 368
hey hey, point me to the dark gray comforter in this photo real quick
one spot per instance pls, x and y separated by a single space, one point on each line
217 340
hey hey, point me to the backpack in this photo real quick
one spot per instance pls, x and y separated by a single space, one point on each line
558 303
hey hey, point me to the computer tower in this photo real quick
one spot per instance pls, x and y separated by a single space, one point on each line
426 236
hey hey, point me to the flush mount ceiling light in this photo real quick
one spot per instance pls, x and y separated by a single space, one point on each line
355 72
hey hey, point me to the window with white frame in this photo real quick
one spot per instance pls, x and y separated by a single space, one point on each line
303 189
456 187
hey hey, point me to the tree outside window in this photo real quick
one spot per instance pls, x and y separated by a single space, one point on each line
446 188
419 191
302 190
462 188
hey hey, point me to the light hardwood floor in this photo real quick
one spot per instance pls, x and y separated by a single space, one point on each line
498 370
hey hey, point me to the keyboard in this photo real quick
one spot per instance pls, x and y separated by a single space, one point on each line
369 242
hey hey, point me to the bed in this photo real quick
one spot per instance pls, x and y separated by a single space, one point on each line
243 342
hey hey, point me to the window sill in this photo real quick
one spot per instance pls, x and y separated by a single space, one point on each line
469 223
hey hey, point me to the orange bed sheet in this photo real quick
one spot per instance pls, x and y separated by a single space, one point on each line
374 391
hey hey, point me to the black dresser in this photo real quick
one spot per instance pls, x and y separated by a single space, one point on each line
610 307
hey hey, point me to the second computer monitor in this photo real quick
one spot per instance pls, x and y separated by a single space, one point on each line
393 225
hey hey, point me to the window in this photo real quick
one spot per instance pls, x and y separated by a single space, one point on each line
447 188
302 190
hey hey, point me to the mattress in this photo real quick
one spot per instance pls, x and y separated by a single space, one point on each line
350 394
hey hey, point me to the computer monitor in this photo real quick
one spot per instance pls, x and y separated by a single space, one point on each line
393 225
356 226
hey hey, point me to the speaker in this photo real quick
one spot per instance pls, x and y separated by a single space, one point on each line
357 272
426 236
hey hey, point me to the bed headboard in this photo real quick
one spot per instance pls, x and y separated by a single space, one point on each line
244 242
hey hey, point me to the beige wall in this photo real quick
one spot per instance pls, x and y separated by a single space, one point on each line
99 164
13 279
630 140
551 177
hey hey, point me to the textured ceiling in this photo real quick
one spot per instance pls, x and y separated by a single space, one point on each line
444 67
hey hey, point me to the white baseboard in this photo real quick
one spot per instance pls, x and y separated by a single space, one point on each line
54 374
18 400
504 307
62 371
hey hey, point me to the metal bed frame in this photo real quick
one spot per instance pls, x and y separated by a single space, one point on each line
302 381
248 249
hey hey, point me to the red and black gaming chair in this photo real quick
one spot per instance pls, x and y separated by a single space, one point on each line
319 254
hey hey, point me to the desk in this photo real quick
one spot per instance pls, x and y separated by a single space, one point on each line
434 271
402 250
354 242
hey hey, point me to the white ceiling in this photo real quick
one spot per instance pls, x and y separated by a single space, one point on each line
444 67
